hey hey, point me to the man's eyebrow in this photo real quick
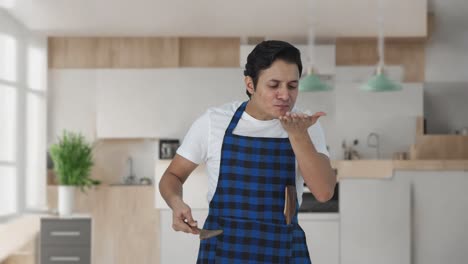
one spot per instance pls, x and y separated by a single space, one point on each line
274 80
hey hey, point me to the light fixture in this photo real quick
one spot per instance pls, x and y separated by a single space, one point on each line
380 82
311 81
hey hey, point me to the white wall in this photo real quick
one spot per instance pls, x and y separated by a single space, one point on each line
446 87
445 107
446 51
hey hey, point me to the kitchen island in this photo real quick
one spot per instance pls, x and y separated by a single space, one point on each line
387 168
410 211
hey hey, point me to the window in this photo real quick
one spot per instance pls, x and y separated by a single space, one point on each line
35 151
8 60
23 93
8 126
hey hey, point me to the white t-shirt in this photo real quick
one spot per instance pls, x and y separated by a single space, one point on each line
203 141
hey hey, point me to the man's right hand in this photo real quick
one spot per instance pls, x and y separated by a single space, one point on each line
182 219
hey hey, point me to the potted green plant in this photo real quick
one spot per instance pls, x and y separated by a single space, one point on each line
73 159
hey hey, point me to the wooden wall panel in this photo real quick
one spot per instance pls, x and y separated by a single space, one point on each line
209 52
433 146
410 53
444 147
145 52
72 52
113 52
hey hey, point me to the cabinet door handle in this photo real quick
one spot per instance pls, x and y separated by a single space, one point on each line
65 233
64 258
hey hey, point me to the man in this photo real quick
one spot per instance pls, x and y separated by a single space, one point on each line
253 150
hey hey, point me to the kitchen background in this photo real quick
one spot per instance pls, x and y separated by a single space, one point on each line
126 92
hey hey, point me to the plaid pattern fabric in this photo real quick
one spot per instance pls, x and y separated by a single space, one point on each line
249 202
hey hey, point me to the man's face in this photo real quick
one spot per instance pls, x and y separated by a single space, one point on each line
276 91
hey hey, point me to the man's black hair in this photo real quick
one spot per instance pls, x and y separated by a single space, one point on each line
265 53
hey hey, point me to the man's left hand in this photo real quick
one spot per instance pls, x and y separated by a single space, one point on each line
298 122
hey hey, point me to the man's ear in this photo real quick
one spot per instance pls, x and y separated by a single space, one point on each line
249 84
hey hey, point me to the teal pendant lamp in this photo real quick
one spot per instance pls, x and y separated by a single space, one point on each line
380 82
311 81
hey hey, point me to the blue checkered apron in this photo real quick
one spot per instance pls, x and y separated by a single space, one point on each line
249 203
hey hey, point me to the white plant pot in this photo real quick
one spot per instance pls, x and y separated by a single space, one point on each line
66 199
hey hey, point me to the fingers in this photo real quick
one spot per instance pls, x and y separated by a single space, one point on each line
189 219
180 225
183 221
319 114
192 224
294 118
299 122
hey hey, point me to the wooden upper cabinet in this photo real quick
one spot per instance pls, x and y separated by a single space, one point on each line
142 52
145 52
72 52
209 52
410 53
113 52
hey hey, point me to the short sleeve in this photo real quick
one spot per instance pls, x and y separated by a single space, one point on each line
318 138
194 146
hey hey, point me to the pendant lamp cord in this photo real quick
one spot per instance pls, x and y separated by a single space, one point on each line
311 34
381 40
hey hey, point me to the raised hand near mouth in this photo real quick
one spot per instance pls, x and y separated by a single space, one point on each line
299 122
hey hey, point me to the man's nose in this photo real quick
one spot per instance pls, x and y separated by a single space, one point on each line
283 93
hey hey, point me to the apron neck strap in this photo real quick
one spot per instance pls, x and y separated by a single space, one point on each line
235 119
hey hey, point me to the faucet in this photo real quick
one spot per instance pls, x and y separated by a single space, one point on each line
374 136
130 179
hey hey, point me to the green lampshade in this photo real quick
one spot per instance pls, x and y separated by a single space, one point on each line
380 83
312 83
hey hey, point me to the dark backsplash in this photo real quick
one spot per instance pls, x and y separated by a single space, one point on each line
311 205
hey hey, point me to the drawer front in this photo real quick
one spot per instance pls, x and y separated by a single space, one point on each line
65 255
65 232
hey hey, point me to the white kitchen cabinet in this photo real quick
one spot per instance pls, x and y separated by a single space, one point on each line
179 247
439 215
72 102
125 106
375 221
323 236
136 103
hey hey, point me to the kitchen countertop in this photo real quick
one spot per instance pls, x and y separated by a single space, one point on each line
385 168
17 232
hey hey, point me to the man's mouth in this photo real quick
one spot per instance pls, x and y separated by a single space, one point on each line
282 106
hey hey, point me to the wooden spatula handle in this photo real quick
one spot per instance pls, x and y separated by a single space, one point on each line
290 203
